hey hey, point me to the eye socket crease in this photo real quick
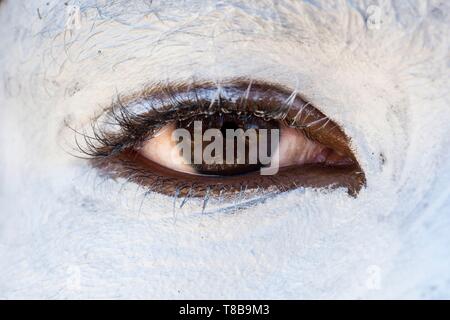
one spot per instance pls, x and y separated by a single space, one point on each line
131 123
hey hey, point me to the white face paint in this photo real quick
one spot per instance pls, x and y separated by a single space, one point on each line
380 71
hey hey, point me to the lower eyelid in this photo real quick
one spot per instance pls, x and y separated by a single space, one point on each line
165 181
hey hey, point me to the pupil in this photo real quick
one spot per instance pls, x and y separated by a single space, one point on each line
240 163
228 125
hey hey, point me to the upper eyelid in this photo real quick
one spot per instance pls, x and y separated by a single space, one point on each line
163 97
132 128
168 97
160 92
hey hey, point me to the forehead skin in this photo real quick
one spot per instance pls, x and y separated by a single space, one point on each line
65 232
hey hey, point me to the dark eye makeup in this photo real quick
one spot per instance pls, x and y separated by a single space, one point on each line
130 140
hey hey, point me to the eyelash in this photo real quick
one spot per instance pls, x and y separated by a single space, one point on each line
137 128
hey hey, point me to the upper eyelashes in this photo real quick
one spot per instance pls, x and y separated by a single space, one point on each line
133 140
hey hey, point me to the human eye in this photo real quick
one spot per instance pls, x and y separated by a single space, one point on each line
218 140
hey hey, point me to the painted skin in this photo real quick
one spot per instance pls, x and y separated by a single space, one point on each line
380 72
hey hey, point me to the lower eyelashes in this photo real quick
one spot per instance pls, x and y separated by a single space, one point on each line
203 140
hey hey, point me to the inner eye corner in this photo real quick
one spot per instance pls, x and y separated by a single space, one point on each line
319 157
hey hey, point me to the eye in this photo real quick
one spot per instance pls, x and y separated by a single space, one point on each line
204 139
